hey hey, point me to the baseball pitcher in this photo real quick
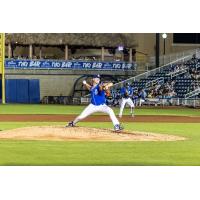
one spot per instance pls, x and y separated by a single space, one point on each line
98 102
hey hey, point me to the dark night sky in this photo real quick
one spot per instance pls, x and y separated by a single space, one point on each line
187 38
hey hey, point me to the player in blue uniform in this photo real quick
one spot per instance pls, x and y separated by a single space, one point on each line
142 96
126 93
98 102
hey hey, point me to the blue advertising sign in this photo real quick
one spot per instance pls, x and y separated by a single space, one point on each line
60 64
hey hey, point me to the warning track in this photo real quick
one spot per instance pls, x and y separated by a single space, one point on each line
99 118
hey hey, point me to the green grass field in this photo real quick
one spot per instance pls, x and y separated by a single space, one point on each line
102 153
62 109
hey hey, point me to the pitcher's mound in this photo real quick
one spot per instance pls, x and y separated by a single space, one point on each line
59 133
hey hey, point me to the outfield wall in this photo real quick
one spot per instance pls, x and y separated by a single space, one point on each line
57 82
51 85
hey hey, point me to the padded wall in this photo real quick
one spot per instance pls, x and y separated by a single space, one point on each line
22 91
34 91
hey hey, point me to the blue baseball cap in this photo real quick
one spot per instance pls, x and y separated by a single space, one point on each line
96 76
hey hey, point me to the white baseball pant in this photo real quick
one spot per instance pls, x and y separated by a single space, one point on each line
141 101
123 103
90 109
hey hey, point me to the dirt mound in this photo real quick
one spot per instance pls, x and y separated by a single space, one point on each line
59 133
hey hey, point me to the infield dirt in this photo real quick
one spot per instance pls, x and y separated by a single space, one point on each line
60 133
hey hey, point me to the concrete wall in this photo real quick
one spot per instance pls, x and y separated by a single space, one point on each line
51 85
147 42
56 82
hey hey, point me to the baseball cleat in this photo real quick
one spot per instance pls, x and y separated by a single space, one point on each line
70 124
120 116
118 128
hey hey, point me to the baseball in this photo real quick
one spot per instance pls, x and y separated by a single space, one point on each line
84 82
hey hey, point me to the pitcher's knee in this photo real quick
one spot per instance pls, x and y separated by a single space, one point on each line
110 111
80 117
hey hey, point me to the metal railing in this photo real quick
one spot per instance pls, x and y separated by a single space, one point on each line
193 93
191 102
194 102
177 73
149 83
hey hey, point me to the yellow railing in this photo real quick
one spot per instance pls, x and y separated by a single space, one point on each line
2 57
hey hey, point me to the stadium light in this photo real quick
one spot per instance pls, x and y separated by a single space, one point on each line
164 35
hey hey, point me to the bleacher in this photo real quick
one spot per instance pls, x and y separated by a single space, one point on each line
184 83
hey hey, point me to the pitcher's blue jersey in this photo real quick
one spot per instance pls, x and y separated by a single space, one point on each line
97 96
